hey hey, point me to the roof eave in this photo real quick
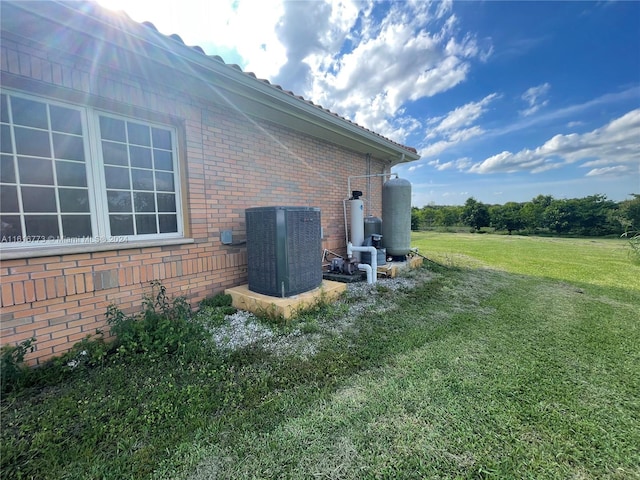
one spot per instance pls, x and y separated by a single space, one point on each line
241 91
258 92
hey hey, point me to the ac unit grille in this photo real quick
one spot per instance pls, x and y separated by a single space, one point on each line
284 250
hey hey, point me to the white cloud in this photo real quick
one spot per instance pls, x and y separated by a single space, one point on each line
307 31
534 97
462 116
456 127
615 143
465 134
413 168
434 149
336 53
239 31
455 194
623 97
460 164
412 53
441 166
616 171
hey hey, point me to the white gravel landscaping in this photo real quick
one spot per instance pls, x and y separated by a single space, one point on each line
242 328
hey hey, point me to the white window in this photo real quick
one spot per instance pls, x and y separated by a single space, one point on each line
73 174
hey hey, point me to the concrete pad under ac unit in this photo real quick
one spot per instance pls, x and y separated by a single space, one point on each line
245 299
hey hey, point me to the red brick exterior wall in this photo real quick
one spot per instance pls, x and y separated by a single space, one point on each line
229 161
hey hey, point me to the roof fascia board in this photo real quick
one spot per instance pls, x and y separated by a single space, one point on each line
336 132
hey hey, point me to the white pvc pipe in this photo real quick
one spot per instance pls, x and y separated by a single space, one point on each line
374 259
349 193
366 267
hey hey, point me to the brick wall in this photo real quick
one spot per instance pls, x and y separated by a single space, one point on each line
231 161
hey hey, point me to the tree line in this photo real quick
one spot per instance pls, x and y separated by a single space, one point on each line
594 215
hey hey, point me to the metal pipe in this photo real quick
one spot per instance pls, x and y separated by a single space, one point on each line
367 176
369 183
346 230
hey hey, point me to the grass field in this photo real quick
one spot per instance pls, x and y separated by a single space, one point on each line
603 262
511 357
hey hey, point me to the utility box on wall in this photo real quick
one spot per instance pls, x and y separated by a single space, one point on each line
284 250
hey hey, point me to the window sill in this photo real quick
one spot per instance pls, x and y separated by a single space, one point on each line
55 250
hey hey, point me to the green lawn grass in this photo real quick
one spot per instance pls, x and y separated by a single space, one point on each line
497 365
603 262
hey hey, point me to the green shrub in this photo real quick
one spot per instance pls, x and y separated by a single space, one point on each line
13 372
90 352
219 300
164 326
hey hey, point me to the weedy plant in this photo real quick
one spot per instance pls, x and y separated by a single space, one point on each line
13 372
213 310
634 244
522 370
162 328
219 300
324 308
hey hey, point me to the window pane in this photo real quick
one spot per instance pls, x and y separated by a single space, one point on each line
161 138
142 179
42 226
119 201
6 145
140 157
37 171
112 129
32 142
117 177
4 109
146 224
121 224
168 223
65 120
73 200
7 170
166 202
164 182
29 113
74 226
9 199
71 174
144 202
138 134
114 153
38 199
163 160
46 182
68 147
10 228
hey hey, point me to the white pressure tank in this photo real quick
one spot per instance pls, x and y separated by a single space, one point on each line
356 208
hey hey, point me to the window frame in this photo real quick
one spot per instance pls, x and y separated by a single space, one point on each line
101 237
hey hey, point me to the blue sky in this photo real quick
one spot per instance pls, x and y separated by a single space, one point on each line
503 100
